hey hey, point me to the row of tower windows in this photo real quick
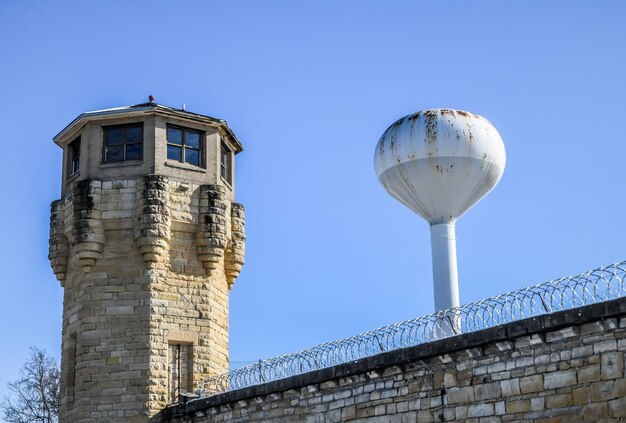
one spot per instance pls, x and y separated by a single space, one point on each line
125 143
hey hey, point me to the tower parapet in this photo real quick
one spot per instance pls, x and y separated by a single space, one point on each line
147 243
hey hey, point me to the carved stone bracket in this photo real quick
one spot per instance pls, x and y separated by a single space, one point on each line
236 249
152 234
87 230
58 246
211 235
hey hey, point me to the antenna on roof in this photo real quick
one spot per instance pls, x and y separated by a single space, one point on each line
151 98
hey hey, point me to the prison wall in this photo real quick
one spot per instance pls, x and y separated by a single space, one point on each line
564 366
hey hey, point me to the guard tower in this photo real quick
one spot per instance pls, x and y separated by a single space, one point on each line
147 243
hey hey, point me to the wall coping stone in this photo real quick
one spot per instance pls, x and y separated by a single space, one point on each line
506 332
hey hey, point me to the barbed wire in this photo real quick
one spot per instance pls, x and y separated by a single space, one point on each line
602 284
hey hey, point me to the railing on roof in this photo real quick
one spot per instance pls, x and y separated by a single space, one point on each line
602 284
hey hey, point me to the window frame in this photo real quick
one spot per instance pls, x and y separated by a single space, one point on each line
124 127
180 376
226 166
73 157
70 371
184 146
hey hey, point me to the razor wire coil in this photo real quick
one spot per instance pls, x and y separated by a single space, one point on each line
598 285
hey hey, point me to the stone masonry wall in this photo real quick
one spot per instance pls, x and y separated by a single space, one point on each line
561 367
125 252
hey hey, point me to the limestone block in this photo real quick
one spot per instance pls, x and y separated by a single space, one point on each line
520 406
461 395
558 401
595 412
537 404
348 413
559 379
608 345
531 384
487 391
510 387
480 410
562 334
589 373
617 407
611 365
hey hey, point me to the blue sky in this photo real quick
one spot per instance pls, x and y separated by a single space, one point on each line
309 87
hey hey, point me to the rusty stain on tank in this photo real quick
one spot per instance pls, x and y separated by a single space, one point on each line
415 116
431 126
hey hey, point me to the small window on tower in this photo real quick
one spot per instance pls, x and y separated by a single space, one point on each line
226 164
184 145
179 370
123 143
70 377
73 157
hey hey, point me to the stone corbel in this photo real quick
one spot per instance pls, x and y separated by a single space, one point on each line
58 246
87 230
211 235
152 234
236 250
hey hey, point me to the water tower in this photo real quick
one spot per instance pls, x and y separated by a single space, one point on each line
439 163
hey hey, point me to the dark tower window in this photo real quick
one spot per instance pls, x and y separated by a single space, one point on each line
70 378
123 142
184 145
179 364
73 157
226 164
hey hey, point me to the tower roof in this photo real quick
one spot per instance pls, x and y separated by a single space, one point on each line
148 108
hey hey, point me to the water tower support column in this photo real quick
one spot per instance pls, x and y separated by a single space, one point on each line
445 274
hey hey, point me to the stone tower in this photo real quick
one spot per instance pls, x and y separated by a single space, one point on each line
147 243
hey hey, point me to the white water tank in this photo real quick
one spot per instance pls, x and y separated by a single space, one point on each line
439 163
